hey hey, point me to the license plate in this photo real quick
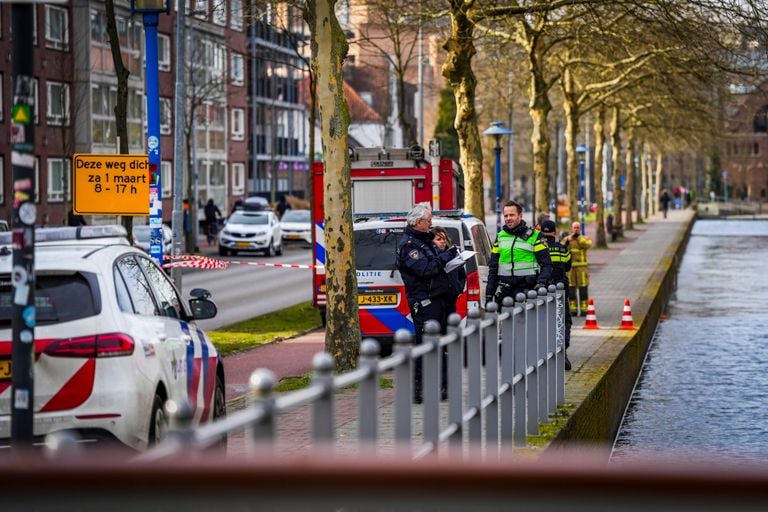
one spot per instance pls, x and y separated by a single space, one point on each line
5 370
379 299
293 237
242 244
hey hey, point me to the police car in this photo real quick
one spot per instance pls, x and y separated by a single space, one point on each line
112 340
381 293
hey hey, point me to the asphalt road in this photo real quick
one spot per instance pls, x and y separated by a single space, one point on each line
246 290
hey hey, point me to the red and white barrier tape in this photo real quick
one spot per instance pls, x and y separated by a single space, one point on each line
205 262
276 265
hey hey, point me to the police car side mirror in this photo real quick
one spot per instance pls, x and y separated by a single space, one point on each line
202 308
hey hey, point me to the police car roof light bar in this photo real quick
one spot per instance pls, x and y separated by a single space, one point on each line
70 233
401 215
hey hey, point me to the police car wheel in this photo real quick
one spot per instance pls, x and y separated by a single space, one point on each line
219 400
279 250
158 421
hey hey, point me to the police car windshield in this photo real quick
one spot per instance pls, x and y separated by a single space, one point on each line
376 249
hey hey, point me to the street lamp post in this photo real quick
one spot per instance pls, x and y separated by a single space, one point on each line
581 150
498 129
150 10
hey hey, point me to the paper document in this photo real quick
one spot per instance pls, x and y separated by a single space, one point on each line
458 261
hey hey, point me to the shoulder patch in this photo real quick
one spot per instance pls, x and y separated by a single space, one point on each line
414 254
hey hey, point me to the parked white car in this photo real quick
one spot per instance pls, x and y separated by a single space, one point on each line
296 226
113 340
251 231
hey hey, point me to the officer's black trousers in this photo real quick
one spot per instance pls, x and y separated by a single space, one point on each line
435 310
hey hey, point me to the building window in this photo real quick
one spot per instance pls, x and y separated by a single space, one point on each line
237 72
58 179
163 52
2 179
236 14
165 116
56 28
219 13
219 62
201 9
238 124
238 179
166 178
57 111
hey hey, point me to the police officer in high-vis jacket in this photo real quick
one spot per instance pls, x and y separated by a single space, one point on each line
519 259
422 267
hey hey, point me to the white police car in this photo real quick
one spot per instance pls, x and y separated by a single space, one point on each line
382 301
112 340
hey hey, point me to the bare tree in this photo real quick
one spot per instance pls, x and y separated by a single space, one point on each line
121 105
329 49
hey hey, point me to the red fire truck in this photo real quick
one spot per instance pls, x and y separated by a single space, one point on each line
386 183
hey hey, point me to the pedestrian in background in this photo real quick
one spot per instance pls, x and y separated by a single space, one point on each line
578 277
422 268
519 258
665 200
561 263
212 216
74 219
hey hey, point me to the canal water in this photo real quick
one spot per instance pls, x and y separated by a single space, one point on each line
703 391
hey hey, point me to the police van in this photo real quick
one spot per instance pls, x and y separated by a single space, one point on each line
381 293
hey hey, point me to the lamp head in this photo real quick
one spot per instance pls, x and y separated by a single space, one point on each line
151 6
497 129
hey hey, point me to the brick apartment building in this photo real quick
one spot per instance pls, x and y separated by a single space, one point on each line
75 89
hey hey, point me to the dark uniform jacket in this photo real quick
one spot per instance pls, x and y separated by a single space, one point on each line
422 265
561 261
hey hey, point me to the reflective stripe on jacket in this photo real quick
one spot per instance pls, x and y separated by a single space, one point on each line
517 255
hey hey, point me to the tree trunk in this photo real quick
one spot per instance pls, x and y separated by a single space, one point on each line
409 134
617 172
121 105
329 49
457 70
629 190
539 108
659 161
599 143
571 108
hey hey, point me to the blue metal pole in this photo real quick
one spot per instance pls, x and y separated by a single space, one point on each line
497 151
153 137
582 195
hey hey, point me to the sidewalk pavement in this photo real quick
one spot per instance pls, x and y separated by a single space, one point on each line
618 272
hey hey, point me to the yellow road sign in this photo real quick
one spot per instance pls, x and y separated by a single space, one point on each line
110 184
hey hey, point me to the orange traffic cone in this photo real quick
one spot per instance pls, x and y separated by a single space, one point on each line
626 317
591 321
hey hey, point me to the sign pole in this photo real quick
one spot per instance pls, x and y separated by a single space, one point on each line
24 219
153 136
